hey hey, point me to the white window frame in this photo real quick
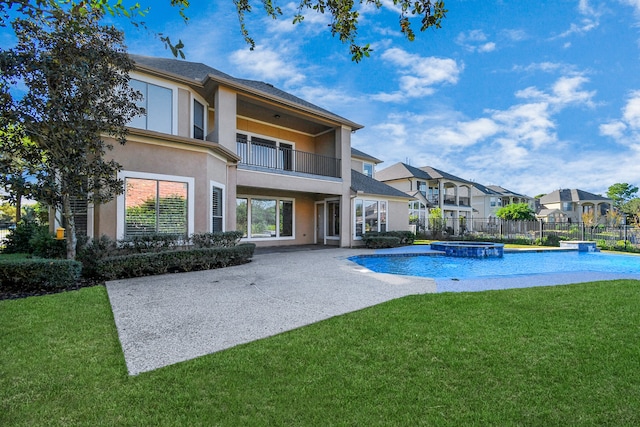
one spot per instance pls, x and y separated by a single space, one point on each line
249 198
355 219
373 169
174 95
120 202
212 185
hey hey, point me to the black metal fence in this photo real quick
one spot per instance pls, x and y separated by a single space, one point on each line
495 228
287 159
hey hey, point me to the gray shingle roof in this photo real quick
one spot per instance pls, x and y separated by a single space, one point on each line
403 170
362 155
571 195
498 191
361 182
200 73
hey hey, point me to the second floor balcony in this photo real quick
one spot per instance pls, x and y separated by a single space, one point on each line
283 157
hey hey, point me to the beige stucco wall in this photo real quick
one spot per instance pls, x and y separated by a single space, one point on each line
166 158
404 185
261 179
398 215
357 165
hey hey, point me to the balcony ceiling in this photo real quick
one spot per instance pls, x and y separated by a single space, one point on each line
279 116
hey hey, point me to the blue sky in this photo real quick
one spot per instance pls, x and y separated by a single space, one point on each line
533 96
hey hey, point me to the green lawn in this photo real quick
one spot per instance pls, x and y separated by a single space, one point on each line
564 355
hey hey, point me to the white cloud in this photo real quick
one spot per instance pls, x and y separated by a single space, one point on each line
633 3
589 22
463 134
475 41
514 35
268 65
626 130
565 91
631 112
418 75
332 99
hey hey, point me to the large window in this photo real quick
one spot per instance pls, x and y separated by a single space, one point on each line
265 218
371 215
155 206
198 120
157 102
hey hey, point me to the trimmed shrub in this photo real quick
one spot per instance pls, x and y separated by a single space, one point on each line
45 245
17 241
92 251
405 237
380 242
35 274
152 242
153 263
225 239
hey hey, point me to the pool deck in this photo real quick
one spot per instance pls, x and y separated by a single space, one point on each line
162 320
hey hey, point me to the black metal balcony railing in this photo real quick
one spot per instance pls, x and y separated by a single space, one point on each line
287 159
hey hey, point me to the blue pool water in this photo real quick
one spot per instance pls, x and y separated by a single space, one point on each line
438 266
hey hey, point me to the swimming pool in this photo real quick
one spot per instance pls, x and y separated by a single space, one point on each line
519 263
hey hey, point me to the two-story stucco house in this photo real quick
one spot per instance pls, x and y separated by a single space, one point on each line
569 205
486 200
215 153
431 188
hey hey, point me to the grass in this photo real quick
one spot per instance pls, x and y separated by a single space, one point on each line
564 355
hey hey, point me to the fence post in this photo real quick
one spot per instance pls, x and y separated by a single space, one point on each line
582 232
541 231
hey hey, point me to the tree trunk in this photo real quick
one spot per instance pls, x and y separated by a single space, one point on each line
70 231
18 208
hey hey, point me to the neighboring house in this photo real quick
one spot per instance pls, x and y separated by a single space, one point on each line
364 163
216 153
486 200
569 205
431 188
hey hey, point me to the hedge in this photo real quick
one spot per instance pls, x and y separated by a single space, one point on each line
35 274
148 264
380 242
377 240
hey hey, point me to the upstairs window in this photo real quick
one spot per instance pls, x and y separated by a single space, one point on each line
422 187
198 120
157 102
367 169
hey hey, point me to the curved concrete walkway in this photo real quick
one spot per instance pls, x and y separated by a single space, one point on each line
162 320
171 318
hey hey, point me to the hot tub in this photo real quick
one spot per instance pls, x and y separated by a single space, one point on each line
470 249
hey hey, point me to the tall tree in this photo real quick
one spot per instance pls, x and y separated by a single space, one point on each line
516 212
344 15
621 193
17 165
76 72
